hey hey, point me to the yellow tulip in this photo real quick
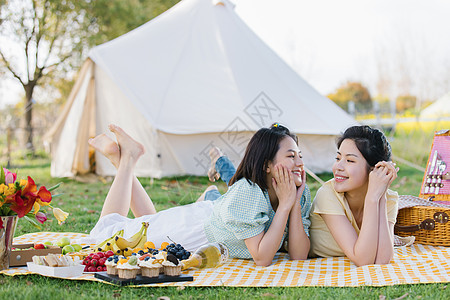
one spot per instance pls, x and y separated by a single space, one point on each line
36 207
60 215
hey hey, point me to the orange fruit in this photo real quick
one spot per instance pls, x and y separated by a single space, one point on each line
122 261
136 250
149 244
164 245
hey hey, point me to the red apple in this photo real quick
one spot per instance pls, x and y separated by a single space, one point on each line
39 246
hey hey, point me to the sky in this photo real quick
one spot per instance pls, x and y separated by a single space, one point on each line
329 42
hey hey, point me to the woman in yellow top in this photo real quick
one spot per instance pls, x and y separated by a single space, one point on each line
354 213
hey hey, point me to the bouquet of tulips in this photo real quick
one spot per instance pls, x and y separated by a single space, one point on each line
22 198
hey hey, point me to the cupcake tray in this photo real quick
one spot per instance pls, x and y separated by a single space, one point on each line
142 280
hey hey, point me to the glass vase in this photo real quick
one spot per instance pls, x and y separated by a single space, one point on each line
6 239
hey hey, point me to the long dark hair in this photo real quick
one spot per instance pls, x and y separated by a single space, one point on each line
261 149
371 142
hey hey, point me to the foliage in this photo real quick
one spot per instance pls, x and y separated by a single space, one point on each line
50 35
352 91
113 18
42 41
405 102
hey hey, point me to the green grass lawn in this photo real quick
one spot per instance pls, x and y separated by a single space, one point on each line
84 202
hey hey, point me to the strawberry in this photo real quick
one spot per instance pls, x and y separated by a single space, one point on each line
92 269
94 262
101 261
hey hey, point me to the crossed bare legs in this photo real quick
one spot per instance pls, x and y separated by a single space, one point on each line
126 191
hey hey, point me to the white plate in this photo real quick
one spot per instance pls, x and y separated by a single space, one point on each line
72 271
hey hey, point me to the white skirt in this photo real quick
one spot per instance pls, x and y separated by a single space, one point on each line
183 224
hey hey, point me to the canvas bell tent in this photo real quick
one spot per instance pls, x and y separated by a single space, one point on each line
438 110
194 77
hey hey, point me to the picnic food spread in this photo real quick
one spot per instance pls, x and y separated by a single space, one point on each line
132 260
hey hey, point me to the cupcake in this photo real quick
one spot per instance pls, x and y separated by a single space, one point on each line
150 267
111 265
137 256
160 257
128 269
172 266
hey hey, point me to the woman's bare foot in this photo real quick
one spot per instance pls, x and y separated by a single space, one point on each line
214 154
202 196
128 146
106 146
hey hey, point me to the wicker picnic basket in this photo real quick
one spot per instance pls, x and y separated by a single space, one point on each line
427 221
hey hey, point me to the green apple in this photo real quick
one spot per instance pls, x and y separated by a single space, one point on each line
48 243
64 241
77 247
67 249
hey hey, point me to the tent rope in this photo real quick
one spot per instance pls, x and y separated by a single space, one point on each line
408 163
311 173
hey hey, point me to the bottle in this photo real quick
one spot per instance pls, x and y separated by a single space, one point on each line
207 256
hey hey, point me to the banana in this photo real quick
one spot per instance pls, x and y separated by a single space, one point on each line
127 252
102 244
116 249
131 242
104 248
143 239
114 246
107 247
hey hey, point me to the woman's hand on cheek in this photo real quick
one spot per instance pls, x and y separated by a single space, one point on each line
283 183
379 180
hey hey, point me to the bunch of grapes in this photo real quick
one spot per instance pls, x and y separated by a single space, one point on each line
151 251
178 251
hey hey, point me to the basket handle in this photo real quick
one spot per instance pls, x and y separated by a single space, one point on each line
427 224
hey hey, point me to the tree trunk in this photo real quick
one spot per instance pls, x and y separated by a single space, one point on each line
29 87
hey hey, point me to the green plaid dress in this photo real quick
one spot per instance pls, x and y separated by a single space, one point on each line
244 212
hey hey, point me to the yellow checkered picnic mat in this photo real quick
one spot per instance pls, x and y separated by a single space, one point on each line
414 264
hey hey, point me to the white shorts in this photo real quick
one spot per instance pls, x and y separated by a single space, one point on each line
182 224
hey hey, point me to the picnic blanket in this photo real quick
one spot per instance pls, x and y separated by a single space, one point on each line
414 264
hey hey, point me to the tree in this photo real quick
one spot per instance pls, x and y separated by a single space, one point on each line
113 18
405 102
49 35
352 91
42 41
